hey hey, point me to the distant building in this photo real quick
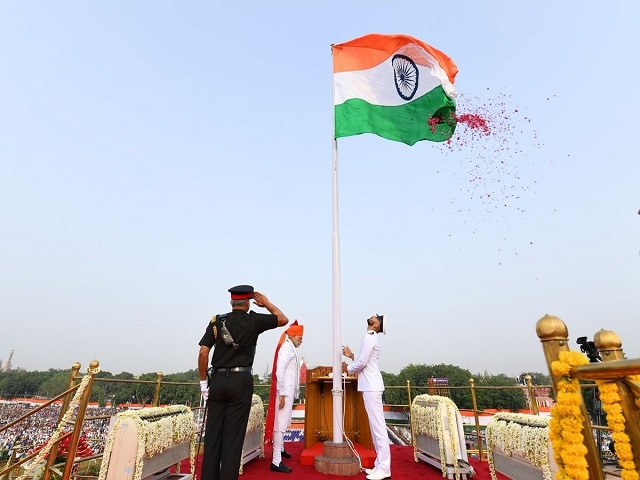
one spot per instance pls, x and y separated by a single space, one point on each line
6 366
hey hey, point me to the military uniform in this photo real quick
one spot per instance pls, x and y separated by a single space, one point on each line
371 384
230 389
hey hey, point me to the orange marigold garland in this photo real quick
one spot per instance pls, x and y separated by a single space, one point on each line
611 404
565 426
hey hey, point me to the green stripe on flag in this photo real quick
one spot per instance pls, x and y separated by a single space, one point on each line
408 123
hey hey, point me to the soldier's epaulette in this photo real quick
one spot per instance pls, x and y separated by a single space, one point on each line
213 319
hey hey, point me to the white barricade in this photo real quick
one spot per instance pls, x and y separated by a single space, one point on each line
254 437
438 436
144 444
519 447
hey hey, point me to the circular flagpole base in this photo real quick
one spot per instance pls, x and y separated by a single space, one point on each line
337 459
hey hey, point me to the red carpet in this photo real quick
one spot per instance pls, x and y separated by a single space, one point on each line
403 467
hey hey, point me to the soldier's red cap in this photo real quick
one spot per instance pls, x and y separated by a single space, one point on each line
241 292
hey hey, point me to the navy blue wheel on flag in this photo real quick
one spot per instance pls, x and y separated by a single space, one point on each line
405 73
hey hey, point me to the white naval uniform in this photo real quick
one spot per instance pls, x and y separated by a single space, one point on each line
371 385
288 385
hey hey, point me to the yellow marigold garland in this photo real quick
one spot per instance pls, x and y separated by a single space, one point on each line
611 404
565 426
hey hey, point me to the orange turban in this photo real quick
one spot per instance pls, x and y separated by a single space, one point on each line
295 330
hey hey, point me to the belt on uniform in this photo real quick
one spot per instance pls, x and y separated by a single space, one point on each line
232 369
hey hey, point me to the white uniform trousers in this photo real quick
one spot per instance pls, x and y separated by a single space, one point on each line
378 427
280 423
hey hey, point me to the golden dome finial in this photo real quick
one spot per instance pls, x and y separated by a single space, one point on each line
607 340
551 328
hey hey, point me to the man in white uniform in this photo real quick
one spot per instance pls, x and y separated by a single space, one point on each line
371 385
285 387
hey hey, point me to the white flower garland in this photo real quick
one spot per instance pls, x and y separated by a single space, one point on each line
66 420
520 434
158 428
256 421
256 417
426 420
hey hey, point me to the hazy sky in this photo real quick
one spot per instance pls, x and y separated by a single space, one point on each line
154 154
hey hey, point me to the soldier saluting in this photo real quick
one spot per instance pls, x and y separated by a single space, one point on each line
227 386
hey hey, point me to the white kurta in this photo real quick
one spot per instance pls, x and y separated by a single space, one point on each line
288 370
287 385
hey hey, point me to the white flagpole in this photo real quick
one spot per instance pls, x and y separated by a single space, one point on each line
337 330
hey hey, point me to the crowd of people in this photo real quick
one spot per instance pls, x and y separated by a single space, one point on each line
34 431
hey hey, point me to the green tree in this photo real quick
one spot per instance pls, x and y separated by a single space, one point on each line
419 376
103 391
262 388
180 394
20 383
536 378
123 392
495 395
122 388
54 383
395 391
144 392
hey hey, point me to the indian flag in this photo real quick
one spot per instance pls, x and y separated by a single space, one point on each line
394 86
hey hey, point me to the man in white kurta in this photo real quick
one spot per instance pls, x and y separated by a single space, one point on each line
371 385
287 387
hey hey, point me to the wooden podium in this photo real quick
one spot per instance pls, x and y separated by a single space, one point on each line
318 416
318 425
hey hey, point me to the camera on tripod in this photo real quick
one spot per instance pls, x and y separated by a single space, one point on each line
589 349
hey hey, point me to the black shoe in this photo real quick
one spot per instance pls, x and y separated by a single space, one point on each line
285 454
280 468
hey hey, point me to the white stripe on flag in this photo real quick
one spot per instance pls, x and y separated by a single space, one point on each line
377 85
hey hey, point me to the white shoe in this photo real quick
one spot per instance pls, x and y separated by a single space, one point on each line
369 471
378 475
